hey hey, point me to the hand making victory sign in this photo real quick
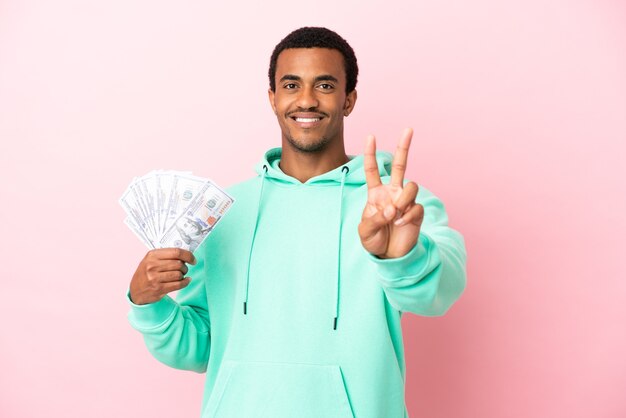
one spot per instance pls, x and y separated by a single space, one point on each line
391 220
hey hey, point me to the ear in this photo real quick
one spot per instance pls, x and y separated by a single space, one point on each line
349 103
270 95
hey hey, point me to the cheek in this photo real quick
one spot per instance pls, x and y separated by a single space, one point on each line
281 101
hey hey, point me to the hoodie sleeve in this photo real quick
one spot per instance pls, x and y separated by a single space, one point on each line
430 277
176 332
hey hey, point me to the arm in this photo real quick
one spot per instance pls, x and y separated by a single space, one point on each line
177 333
420 260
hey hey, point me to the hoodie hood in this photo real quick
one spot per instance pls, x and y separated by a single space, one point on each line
355 175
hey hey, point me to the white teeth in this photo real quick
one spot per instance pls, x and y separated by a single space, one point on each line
307 120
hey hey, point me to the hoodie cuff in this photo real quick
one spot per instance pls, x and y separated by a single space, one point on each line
151 315
411 267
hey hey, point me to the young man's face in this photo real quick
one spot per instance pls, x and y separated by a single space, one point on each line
310 100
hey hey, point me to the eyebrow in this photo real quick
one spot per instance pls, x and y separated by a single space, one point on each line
325 77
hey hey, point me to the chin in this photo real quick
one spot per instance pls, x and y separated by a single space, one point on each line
316 145
308 146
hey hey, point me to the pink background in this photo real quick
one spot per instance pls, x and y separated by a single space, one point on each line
519 110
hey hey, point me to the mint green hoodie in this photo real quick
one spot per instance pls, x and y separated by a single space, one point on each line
286 312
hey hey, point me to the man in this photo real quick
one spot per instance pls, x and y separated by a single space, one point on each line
295 304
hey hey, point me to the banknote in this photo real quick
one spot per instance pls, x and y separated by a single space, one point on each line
134 207
198 219
167 208
183 189
138 232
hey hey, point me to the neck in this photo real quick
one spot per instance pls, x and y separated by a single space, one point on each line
306 165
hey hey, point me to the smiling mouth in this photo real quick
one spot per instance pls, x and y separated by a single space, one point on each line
306 120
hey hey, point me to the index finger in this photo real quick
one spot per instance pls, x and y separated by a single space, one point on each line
176 254
372 178
398 167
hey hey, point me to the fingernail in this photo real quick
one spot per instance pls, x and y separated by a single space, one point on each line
389 211
399 222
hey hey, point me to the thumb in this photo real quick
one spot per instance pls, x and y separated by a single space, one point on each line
372 222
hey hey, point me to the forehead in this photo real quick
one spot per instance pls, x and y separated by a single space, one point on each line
310 62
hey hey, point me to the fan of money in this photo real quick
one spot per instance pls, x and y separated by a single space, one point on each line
173 208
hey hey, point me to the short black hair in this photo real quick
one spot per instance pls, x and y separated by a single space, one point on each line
316 37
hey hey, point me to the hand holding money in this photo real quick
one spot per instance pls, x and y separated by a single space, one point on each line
160 272
172 213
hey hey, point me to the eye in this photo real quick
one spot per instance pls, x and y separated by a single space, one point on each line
289 86
326 86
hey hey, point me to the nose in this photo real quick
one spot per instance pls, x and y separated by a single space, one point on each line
307 99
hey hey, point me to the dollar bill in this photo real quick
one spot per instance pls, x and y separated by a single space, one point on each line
198 219
138 232
183 189
135 209
168 208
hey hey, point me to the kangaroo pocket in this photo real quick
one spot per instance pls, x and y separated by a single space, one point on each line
278 390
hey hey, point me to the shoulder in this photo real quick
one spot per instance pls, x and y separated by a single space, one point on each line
245 188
